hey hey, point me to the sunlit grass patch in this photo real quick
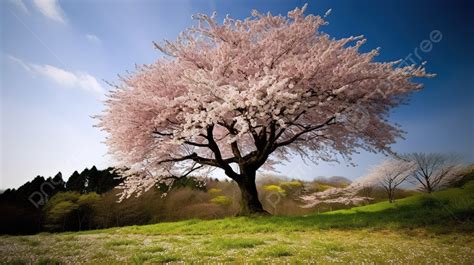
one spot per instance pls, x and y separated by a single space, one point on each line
326 246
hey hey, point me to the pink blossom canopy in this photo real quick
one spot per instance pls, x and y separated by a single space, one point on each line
253 91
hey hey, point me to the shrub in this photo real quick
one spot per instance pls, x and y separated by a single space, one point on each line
291 184
320 187
274 188
222 200
214 191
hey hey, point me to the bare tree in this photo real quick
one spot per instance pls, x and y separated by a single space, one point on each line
434 171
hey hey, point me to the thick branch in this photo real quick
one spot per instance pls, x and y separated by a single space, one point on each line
234 145
217 154
200 160
196 144
304 131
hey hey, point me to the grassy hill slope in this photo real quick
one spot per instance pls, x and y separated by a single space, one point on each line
420 229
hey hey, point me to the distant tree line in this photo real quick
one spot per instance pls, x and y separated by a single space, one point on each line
23 209
88 200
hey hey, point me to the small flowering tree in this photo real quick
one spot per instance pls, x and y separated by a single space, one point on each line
251 93
389 175
347 196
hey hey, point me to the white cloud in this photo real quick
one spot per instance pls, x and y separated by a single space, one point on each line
20 5
93 38
20 63
62 77
51 9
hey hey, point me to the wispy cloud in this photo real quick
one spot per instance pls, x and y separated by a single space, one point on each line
51 9
62 77
20 5
20 63
93 38
69 79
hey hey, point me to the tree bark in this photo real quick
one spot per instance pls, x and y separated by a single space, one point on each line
249 204
391 195
429 189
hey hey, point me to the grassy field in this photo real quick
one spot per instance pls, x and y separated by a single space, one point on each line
423 229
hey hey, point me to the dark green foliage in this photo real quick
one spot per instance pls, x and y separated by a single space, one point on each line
83 208
76 182
21 209
93 180
70 211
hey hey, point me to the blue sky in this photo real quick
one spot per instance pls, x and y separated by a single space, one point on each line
54 56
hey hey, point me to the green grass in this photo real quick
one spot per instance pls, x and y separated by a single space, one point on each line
433 211
119 243
153 249
48 261
277 251
435 228
236 243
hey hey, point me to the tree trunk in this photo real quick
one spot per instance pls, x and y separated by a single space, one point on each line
429 189
249 204
390 196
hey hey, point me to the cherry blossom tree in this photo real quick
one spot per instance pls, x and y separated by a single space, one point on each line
390 174
247 94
